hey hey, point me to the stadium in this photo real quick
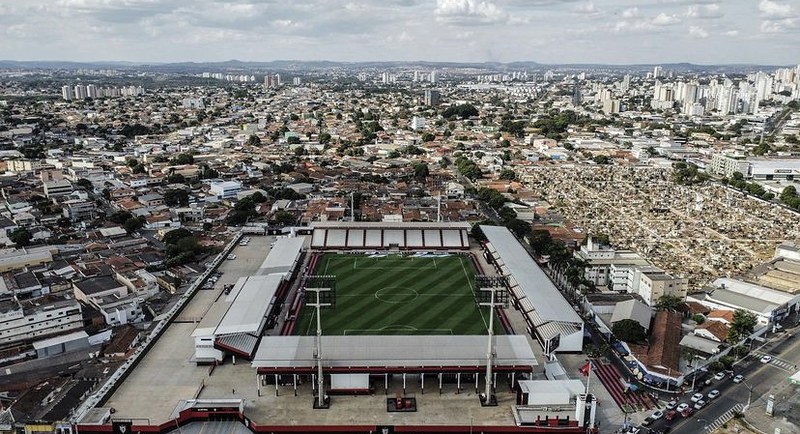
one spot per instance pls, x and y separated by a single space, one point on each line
397 313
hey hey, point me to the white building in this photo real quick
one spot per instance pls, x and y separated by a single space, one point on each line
225 189
26 321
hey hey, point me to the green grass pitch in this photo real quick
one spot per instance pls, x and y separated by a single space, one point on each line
399 295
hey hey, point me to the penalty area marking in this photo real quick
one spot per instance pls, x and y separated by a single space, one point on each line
397 327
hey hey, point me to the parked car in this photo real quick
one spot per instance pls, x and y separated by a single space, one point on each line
688 412
697 397
672 404
681 407
738 379
713 394
766 359
719 376
658 414
672 414
699 404
231 257
648 421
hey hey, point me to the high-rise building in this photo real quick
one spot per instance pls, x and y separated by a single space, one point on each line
272 80
658 72
297 81
626 82
434 77
66 93
432 97
80 91
91 91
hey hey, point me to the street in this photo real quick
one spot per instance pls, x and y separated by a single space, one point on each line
758 379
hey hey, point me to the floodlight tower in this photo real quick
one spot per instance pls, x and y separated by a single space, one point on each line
491 291
320 293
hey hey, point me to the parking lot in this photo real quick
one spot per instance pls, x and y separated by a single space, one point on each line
167 373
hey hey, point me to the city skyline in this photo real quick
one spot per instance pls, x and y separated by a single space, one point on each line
545 31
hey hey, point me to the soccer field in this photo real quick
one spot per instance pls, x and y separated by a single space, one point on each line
399 295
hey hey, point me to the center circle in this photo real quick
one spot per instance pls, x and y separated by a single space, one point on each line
396 294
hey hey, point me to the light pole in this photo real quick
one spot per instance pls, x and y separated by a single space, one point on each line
323 289
490 291
749 394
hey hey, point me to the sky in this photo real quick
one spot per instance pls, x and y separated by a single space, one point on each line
545 31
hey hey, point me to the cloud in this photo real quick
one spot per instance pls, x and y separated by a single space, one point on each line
777 17
709 11
697 32
630 13
731 33
773 10
469 11
663 19
586 9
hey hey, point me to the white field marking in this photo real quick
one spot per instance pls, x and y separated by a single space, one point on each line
397 327
461 260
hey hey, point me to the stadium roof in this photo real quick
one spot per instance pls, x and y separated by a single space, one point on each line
282 256
252 298
392 351
548 301
391 225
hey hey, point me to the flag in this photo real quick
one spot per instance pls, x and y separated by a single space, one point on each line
585 369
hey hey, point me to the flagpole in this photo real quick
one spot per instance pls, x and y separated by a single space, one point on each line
588 377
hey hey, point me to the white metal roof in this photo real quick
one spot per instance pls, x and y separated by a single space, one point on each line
391 225
754 291
551 392
392 351
44 343
548 301
282 256
247 312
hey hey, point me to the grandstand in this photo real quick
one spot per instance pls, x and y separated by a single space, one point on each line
350 356
387 235
235 324
550 318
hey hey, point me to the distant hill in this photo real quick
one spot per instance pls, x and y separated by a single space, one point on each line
299 65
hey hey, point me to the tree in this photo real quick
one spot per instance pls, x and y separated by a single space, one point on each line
742 325
176 178
176 196
85 183
21 237
253 140
540 241
133 224
175 235
120 217
428 137
182 159
508 175
476 231
207 226
698 318
628 330
462 111
284 218
421 170
518 227
668 302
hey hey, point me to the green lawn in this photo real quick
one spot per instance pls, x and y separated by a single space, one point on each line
399 295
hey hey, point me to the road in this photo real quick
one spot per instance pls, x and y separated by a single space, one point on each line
758 376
